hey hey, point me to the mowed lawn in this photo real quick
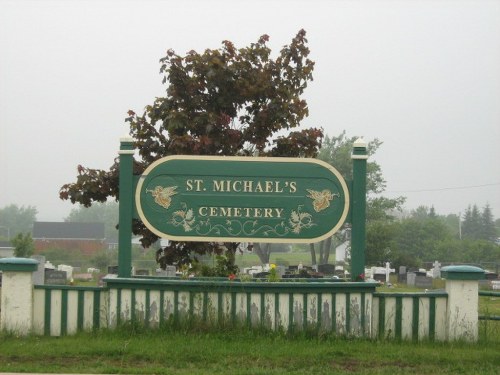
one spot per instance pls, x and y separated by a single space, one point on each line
131 350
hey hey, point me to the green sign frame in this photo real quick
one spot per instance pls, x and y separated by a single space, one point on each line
251 199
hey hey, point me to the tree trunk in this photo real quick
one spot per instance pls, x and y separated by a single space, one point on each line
313 254
326 246
263 251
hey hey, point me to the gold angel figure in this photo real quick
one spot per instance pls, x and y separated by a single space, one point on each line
321 199
162 195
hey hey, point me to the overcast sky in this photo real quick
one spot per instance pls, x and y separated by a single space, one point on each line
422 76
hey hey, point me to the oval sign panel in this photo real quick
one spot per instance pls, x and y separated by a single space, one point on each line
204 198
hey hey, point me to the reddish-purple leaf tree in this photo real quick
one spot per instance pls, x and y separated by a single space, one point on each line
224 101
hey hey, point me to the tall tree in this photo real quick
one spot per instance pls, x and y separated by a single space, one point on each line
488 231
416 239
224 101
337 151
471 226
15 219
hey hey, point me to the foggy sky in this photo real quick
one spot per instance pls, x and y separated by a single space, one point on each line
422 76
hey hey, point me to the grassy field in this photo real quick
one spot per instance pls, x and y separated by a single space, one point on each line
130 350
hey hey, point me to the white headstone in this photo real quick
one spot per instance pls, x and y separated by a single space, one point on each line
436 270
67 269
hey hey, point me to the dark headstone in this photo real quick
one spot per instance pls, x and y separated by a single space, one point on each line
142 272
379 277
54 277
402 278
402 274
113 270
423 282
327 269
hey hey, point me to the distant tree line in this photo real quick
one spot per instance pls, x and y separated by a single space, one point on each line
426 236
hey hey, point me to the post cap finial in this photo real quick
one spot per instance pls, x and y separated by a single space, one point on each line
126 138
360 142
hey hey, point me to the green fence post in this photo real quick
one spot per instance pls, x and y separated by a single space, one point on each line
358 241
125 208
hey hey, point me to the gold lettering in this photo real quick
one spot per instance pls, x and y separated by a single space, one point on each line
199 185
277 187
269 186
258 188
249 212
218 186
248 186
236 184
196 185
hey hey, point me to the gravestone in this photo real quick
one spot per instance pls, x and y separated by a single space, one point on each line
410 278
39 274
327 269
387 271
169 271
113 270
53 277
141 272
402 274
281 270
423 282
66 268
436 270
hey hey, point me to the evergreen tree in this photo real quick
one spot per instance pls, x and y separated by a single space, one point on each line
23 245
487 221
471 225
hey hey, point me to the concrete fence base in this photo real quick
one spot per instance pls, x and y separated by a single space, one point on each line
343 308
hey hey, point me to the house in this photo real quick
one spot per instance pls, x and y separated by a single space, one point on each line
6 249
86 237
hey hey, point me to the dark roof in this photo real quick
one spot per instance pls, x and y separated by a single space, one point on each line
68 230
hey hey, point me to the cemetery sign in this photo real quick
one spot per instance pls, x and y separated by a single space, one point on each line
209 198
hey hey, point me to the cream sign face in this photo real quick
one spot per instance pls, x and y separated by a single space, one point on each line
188 198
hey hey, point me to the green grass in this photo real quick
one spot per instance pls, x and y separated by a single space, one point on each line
489 305
131 350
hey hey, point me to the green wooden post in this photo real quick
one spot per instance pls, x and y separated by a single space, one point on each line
125 209
358 241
